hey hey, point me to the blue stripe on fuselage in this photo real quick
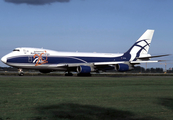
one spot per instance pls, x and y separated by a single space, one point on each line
66 59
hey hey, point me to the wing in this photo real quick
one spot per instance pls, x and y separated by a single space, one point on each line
95 66
125 62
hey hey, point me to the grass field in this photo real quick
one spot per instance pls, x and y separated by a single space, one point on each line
86 98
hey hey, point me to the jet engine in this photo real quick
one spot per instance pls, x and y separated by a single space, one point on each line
83 69
123 67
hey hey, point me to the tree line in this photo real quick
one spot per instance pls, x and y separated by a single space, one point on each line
150 70
137 69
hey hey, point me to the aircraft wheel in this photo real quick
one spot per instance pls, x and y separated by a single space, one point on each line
84 74
68 74
21 74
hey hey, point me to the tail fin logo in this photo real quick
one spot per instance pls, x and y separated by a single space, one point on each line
143 46
140 47
39 59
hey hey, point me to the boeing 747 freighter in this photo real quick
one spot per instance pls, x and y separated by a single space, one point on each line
47 61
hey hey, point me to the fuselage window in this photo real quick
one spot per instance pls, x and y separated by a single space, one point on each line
16 50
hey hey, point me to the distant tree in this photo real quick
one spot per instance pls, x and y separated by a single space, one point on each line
148 70
170 70
159 70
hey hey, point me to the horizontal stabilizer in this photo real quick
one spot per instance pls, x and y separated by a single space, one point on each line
148 57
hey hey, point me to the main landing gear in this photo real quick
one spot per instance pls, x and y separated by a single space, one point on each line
20 72
69 74
84 74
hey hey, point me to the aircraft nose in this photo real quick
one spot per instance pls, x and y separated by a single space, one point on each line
4 59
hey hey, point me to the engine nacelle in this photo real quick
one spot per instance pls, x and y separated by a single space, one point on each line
83 69
123 67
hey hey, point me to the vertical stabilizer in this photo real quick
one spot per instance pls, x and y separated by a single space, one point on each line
141 46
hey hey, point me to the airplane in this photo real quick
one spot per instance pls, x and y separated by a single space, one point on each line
46 60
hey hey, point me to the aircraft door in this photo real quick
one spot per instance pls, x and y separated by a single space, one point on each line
29 59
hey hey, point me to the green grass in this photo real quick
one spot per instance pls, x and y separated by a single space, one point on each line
86 98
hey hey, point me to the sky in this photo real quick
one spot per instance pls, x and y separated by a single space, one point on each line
103 26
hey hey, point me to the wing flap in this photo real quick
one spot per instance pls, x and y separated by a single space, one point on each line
138 62
108 63
132 62
57 65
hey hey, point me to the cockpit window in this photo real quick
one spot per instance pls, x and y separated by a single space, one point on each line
16 50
